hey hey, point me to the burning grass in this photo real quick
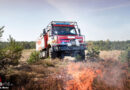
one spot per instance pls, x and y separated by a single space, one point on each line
81 77
102 75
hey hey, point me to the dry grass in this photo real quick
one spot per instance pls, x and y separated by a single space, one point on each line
114 54
39 76
25 55
51 74
114 76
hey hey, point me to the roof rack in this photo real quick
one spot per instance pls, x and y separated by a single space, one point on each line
63 22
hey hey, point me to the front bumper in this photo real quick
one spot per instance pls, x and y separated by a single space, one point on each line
69 48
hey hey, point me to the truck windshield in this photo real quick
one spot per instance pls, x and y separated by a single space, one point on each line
60 30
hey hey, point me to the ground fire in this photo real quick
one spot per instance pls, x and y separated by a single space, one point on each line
81 77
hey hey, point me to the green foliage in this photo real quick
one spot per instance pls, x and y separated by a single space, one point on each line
24 44
14 51
1 31
1 51
110 45
125 56
78 57
11 54
34 57
3 45
101 45
93 51
28 45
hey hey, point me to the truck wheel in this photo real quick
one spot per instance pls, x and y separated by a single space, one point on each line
60 55
43 54
52 54
82 53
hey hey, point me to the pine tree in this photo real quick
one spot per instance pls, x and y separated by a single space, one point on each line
1 31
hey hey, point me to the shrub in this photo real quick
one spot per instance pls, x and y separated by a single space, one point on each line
1 51
11 54
34 57
125 57
93 52
78 57
14 51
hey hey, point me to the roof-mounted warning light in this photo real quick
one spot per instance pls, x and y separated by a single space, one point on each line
65 23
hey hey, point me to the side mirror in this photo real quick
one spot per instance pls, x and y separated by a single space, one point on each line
79 31
44 31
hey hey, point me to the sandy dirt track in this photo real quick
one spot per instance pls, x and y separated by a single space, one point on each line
103 54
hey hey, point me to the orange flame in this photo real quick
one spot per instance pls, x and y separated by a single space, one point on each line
82 77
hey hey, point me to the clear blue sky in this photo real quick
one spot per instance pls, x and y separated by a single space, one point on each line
97 19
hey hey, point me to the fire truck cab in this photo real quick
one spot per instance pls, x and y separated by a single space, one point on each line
59 39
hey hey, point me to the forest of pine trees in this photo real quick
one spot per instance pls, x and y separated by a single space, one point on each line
101 45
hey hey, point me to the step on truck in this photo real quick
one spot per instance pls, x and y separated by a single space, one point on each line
59 39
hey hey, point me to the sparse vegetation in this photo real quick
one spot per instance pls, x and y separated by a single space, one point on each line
11 54
41 75
49 75
1 31
125 57
78 57
24 44
34 57
101 45
113 54
13 51
93 52
110 45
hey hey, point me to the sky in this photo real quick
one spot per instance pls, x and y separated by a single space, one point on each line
97 19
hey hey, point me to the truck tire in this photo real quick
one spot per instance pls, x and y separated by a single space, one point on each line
60 55
79 55
82 53
52 54
43 54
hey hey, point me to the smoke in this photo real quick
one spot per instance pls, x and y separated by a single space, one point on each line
90 75
113 74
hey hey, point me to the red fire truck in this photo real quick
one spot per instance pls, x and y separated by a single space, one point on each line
59 39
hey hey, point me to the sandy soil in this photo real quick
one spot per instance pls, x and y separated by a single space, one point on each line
25 55
114 54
